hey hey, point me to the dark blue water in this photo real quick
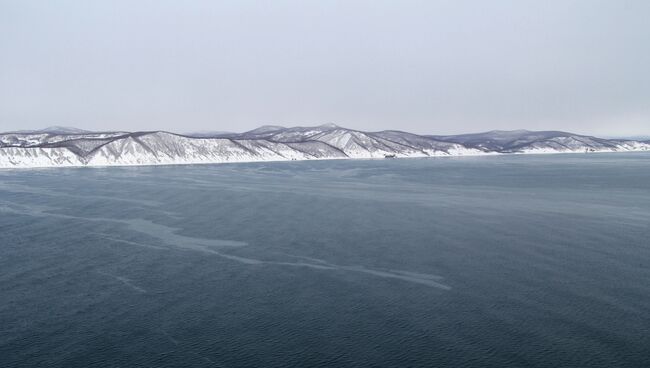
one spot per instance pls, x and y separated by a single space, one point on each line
513 261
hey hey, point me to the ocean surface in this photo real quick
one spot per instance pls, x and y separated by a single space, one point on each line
508 261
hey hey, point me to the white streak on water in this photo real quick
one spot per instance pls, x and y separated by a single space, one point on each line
104 236
418 275
419 278
15 188
167 235
161 232
124 281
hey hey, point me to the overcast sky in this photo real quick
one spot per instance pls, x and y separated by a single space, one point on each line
422 66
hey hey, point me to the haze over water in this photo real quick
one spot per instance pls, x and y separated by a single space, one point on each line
509 261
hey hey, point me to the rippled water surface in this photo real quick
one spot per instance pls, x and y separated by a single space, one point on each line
512 261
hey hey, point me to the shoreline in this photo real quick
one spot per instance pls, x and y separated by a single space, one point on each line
486 154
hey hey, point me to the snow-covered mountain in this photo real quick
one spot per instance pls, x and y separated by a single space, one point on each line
524 141
71 147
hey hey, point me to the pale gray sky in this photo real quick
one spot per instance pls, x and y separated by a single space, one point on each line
423 66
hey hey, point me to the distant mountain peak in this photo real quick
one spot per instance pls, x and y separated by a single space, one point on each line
63 129
208 134
328 126
266 129
515 131
55 129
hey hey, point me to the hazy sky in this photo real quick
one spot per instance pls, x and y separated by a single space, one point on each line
422 66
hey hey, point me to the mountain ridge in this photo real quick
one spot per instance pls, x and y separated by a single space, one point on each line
57 146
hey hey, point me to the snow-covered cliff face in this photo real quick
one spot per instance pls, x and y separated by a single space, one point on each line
68 147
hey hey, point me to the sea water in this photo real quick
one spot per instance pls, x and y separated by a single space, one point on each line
508 261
